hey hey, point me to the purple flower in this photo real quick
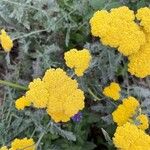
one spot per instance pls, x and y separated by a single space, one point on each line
77 117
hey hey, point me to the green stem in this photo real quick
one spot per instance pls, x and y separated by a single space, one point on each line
40 138
95 97
7 83
42 134
29 34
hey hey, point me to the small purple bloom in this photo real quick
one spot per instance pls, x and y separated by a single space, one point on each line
77 117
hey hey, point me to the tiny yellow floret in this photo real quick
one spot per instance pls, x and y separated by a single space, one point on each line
6 41
79 60
112 91
22 102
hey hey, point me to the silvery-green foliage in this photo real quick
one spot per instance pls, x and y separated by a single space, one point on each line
103 69
42 31
30 122
106 61
143 95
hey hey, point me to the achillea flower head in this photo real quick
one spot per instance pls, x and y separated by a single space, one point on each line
144 122
118 29
4 148
139 62
25 143
125 111
77 117
6 41
112 91
143 14
65 99
78 60
57 93
130 137
22 102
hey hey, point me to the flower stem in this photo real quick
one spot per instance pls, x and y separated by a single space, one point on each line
42 134
14 85
94 96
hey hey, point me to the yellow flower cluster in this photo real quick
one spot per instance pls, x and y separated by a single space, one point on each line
112 91
125 111
65 99
139 62
128 112
78 60
130 137
56 92
143 14
6 41
143 122
22 102
118 29
20 144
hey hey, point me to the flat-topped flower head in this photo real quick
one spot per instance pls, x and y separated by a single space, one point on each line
112 91
57 93
139 62
65 98
79 60
143 122
130 137
25 143
125 111
118 29
6 41
143 14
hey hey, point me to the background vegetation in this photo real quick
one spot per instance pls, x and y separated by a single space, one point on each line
42 31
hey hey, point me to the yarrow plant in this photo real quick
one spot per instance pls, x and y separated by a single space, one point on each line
21 144
6 41
74 96
119 29
125 111
112 91
130 123
130 137
57 93
143 121
116 28
78 60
